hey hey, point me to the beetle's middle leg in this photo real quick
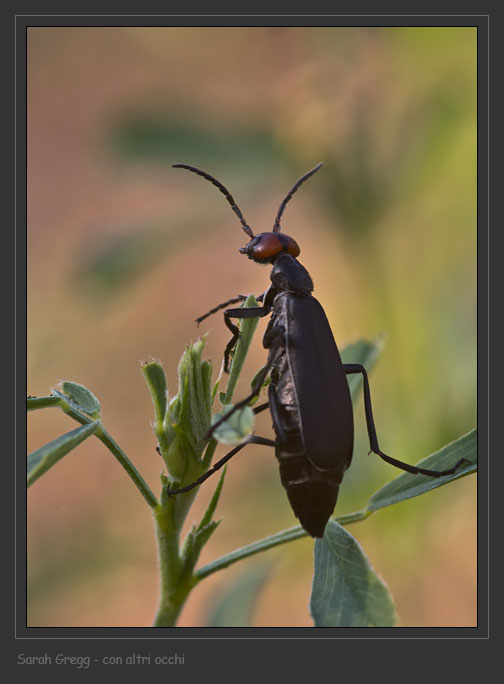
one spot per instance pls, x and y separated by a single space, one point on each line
373 439
261 407
254 392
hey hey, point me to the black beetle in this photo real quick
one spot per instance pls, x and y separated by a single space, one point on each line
308 396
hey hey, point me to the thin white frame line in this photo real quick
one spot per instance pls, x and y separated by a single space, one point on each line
167 638
252 15
15 325
488 323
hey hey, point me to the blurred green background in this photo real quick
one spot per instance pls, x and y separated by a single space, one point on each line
124 252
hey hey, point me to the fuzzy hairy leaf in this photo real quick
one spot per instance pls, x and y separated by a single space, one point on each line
82 398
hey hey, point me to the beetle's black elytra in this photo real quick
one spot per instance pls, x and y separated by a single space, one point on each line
308 396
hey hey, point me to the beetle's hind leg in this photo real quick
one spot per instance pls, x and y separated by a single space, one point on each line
373 439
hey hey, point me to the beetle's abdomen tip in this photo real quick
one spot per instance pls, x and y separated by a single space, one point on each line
313 505
315 527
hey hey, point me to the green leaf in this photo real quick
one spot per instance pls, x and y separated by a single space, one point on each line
33 403
42 459
82 398
364 352
254 380
234 607
408 485
346 591
192 406
194 542
181 435
247 328
203 534
198 536
239 425
215 388
206 519
189 554
155 378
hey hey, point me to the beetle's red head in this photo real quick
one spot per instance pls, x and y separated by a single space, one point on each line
265 247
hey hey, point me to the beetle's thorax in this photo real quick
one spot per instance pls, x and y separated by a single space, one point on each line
289 275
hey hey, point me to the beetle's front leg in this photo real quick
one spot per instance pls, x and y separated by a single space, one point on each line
233 300
241 312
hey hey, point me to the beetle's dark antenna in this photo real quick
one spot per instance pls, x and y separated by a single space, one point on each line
276 227
224 191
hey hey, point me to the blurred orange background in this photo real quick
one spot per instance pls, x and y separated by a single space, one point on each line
124 252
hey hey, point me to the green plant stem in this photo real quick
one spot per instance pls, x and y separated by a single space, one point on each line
268 543
175 565
177 577
33 403
172 596
116 450
128 466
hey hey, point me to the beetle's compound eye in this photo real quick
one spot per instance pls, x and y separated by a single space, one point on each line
264 247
